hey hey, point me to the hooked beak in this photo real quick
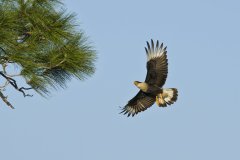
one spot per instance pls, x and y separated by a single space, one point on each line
136 83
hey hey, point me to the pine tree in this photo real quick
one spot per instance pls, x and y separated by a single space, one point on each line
41 40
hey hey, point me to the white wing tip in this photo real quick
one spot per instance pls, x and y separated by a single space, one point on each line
153 51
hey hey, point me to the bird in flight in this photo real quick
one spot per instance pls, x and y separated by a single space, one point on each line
151 90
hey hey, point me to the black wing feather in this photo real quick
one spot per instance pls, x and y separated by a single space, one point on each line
152 45
137 104
157 45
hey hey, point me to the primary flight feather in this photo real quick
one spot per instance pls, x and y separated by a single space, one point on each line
151 90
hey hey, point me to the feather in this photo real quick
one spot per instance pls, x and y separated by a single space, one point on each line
149 49
152 50
161 46
165 48
157 45
146 50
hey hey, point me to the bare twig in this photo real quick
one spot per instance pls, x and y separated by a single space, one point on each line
14 84
4 98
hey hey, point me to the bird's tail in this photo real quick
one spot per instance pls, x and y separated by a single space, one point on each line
167 97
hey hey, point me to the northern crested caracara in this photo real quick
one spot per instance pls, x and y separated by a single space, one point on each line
151 90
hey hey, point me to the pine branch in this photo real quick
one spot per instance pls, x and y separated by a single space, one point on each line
41 39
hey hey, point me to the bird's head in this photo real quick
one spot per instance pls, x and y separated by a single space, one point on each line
141 85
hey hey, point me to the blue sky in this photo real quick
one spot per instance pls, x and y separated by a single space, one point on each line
82 121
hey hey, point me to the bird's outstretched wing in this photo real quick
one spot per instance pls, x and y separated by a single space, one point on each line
157 64
139 103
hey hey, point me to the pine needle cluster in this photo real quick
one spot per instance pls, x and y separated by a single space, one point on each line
42 40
